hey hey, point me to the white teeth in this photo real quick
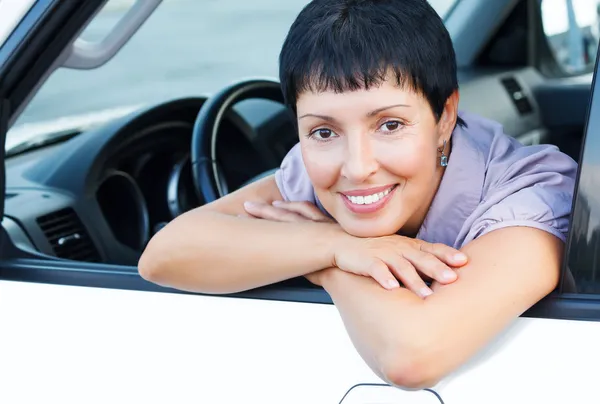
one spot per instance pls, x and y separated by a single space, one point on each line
368 199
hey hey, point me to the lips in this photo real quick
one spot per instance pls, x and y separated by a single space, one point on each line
368 200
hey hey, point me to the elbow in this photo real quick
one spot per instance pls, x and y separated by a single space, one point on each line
410 370
148 269
153 265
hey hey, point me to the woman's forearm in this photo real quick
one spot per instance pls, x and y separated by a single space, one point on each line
211 252
413 342
382 324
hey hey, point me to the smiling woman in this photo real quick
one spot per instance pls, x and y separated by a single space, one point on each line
388 184
401 148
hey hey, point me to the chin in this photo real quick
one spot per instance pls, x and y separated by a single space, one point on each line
368 228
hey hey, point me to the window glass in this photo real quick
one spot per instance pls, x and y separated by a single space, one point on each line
572 30
583 250
186 48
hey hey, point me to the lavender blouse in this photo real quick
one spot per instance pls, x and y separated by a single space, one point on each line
491 182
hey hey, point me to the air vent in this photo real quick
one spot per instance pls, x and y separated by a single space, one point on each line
68 237
517 95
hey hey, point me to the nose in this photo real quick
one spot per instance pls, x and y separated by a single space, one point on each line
360 162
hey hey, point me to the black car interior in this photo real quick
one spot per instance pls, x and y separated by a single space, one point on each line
100 195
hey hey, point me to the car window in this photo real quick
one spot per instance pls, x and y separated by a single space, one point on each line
583 249
186 48
572 31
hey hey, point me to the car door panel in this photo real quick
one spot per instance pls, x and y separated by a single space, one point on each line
109 345
75 332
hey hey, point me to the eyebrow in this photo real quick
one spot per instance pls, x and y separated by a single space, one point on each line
378 110
369 114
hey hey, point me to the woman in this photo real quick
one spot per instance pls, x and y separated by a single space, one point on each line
388 183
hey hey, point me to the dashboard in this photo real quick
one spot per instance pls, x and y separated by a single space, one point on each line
101 195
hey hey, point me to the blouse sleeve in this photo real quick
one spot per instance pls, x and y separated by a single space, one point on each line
292 179
533 191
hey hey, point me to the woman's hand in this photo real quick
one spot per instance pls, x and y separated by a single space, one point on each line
385 259
408 259
282 211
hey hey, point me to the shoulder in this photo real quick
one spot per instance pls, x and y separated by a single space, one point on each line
508 161
292 179
522 185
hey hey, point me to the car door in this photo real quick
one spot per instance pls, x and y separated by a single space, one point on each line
83 332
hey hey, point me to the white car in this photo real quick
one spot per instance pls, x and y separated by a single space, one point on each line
98 105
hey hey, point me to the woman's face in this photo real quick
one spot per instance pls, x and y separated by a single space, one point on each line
372 155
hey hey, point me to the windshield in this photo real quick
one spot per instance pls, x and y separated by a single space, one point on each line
186 48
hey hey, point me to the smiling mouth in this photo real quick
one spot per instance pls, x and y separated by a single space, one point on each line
371 203
369 199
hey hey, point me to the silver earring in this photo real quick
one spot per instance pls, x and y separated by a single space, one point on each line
444 158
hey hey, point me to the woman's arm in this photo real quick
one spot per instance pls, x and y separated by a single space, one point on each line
212 250
414 343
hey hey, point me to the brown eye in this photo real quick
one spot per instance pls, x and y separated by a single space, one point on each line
323 134
391 126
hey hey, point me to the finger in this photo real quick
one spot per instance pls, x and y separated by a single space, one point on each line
306 209
431 266
408 275
268 212
449 255
379 271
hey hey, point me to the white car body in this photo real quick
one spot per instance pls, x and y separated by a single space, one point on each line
73 344
11 12
76 344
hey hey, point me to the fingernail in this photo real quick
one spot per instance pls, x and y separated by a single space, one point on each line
448 275
276 203
250 205
424 292
393 284
460 257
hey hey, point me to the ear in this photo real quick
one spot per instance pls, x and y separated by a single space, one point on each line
448 119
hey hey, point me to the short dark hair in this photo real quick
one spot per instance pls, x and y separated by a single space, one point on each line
345 45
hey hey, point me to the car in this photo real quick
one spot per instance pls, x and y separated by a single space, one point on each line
120 115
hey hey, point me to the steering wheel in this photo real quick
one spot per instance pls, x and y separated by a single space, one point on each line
209 181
